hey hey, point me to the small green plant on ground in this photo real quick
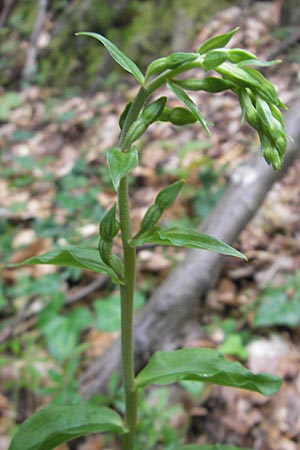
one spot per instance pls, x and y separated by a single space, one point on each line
260 108
279 305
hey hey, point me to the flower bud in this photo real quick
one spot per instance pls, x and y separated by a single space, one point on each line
138 128
181 116
176 59
153 110
109 226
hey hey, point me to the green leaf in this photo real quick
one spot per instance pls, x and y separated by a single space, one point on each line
205 365
121 163
117 55
53 425
258 63
83 258
209 447
277 309
180 237
182 96
218 41
213 59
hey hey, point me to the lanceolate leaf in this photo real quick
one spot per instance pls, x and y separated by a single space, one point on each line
205 365
83 258
121 163
54 425
182 95
217 41
258 63
180 237
209 447
117 55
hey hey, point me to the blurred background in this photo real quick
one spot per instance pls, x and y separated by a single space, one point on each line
60 99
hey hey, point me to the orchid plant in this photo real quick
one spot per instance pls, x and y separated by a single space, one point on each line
235 70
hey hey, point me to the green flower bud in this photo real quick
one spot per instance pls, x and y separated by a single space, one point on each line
208 84
280 143
270 153
113 261
214 58
181 116
109 226
265 115
276 113
276 160
163 200
153 110
150 219
105 251
124 114
237 54
156 66
166 115
176 59
248 110
136 130
167 196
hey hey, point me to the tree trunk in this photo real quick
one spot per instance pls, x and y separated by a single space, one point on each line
173 303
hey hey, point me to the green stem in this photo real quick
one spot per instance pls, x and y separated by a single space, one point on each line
127 290
129 254
127 297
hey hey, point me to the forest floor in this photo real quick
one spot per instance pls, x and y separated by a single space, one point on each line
253 314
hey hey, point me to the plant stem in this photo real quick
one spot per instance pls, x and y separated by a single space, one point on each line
127 290
127 298
129 254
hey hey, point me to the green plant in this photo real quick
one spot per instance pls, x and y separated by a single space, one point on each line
260 108
279 306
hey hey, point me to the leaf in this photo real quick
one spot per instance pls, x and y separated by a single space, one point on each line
218 41
205 365
54 425
180 237
83 258
209 447
258 63
121 163
182 96
117 55
277 309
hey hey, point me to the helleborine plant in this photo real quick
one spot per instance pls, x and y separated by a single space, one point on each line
260 105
